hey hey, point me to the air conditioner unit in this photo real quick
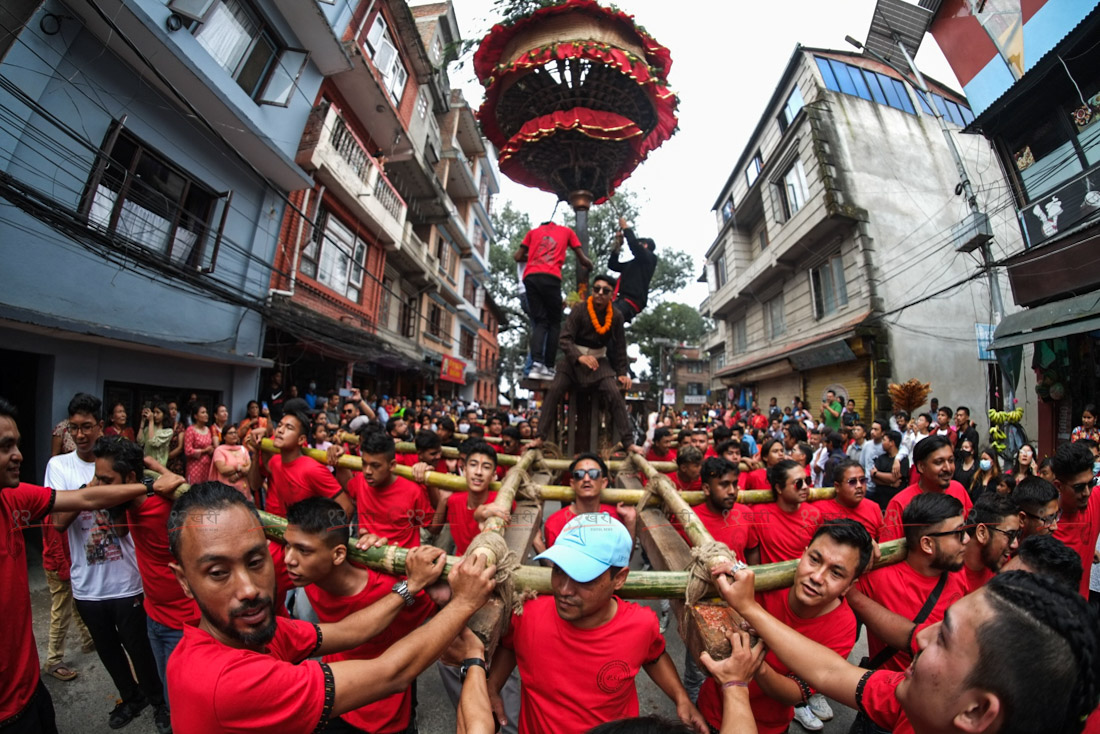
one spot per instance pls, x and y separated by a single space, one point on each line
972 232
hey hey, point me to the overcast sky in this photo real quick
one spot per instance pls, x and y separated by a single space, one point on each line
727 58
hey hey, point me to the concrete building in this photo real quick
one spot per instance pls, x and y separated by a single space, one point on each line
146 151
834 265
689 372
380 267
1030 72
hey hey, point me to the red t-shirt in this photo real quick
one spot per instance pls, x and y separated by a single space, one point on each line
892 526
396 513
1079 530
55 551
165 601
389 714
227 689
867 513
460 519
571 699
835 630
546 246
731 528
651 455
782 536
880 701
975 580
554 524
693 486
19 508
755 479
901 589
300 479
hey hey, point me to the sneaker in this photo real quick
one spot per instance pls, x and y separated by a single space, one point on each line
541 372
163 719
820 706
124 713
804 716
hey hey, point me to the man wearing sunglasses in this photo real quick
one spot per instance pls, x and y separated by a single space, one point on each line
593 346
994 529
587 477
781 530
1080 523
1036 500
851 501
894 601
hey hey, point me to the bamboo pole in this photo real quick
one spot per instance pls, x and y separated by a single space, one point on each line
552 492
449 452
639 584
674 503
506 495
353 438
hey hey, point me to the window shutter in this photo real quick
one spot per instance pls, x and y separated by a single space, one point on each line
377 30
384 58
193 9
280 85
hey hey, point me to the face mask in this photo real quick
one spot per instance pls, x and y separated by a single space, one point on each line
463 427
986 464
964 455
1096 467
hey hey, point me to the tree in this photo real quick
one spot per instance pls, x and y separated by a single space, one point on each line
510 226
677 322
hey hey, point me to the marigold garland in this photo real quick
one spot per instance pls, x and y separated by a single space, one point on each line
601 329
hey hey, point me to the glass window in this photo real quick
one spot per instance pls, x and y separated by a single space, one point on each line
792 190
843 78
827 75
875 85
336 257
791 108
774 319
858 82
740 336
753 171
903 95
829 289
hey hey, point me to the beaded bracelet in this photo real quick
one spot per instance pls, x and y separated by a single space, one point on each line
735 684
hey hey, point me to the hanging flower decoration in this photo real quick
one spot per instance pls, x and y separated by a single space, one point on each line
576 97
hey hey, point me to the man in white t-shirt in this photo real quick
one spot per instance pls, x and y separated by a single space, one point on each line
105 579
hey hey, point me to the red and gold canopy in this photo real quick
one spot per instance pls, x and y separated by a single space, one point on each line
576 97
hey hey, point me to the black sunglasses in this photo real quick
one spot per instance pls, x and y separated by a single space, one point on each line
1082 486
1046 521
580 474
602 289
1010 534
960 534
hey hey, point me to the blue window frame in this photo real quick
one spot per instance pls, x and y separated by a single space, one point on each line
957 113
866 84
827 74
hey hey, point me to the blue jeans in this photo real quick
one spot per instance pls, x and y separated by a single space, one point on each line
163 640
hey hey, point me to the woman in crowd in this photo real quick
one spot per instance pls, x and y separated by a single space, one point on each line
198 444
155 432
989 468
117 425
1025 465
253 419
771 453
221 419
1088 428
966 465
176 459
231 461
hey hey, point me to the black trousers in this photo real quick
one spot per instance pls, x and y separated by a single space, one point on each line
608 388
37 716
544 307
118 629
626 308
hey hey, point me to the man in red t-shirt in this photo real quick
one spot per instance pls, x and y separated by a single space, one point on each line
579 650
934 460
543 249
587 478
968 677
292 477
241 668
661 448
467 510
689 462
23 696
815 606
851 500
1080 523
317 560
1038 503
889 599
781 530
389 506
994 529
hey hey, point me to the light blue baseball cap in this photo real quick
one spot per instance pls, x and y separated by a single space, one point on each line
590 544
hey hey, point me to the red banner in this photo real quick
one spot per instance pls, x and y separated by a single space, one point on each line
453 370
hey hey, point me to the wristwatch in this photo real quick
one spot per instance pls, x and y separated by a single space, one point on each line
148 482
470 663
401 588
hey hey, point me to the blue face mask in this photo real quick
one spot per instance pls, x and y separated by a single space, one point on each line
985 464
1096 467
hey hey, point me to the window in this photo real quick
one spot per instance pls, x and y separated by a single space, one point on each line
864 83
245 46
727 210
136 194
792 190
761 237
775 324
335 256
467 346
384 302
435 320
957 113
829 290
717 361
469 289
790 109
443 252
422 105
720 271
739 336
409 317
386 58
753 171
695 368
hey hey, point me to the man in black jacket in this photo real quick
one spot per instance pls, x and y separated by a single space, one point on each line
632 290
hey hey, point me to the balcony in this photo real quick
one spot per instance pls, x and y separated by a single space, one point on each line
461 180
315 31
341 162
411 258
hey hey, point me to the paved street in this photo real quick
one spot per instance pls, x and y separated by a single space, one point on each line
82 704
